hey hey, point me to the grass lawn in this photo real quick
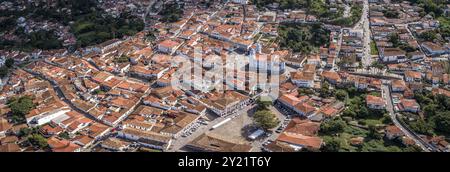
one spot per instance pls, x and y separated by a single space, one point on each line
374 122
82 26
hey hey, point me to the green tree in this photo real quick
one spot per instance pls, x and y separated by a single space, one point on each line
349 112
266 119
3 71
373 132
442 121
377 64
38 140
430 110
64 135
24 132
428 35
391 13
341 95
333 126
394 39
387 120
305 91
334 145
9 62
363 112
412 148
263 105
150 36
421 127
325 90
20 107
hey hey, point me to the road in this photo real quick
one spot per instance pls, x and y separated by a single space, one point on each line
367 57
390 108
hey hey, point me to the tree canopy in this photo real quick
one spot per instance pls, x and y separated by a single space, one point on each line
20 107
266 119
303 38
333 126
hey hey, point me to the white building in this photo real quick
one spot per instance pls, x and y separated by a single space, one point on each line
45 117
241 1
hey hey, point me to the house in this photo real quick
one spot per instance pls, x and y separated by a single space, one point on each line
240 1
9 139
297 104
416 55
398 85
377 21
409 105
46 113
10 147
433 49
146 138
304 78
114 144
105 46
168 46
84 141
304 109
62 145
300 134
374 102
413 76
389 55
5 126
267 62
277 146
357 141
227 103
51 129
332 77
213 143
445 92
314 60
392 132
361 83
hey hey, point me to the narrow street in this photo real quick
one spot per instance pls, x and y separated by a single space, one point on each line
62 97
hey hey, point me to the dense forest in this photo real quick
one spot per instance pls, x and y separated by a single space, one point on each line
89 24
303 38
436 114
